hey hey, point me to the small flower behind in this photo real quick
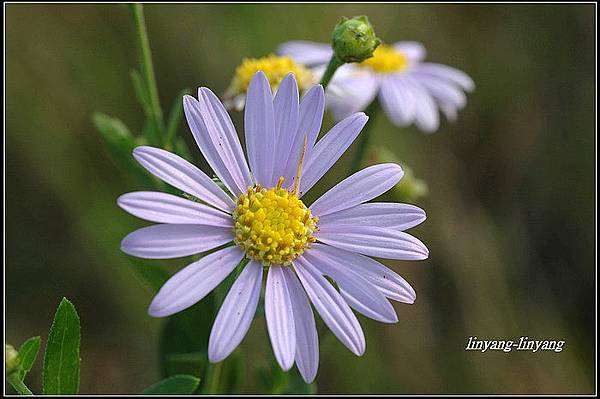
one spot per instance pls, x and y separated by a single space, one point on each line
261 222
409 89
274 67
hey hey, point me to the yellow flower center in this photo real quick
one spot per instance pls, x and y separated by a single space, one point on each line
275 67
273 226
386 60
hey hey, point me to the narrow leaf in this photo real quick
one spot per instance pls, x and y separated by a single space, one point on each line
27 355
141 93
18 385
175 385
175 115
61 360
120 143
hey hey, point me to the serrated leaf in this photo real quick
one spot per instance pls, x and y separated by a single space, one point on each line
61 359
27 355
175 385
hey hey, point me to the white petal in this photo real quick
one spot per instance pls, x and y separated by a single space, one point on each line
167 208
414 51
360 187
386 280
236 313
363 296
398 100
194 282
259 126
330 148
280 318
442 90
306 52
286 107
351 90
333 309
390 215
310 118
166 241
426 113
181 174
307 340
446 72
217 139
374 241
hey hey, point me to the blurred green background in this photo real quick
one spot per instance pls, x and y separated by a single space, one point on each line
511 200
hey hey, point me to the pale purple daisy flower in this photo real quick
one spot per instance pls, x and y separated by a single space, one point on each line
409 89
261 223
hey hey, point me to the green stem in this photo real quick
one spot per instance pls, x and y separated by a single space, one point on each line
213 376
145 58
18 384
333 65
363 138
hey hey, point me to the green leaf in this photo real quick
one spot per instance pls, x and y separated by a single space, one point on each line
175 385
153 133
61 360
175 116
120 143
18 384
141 93
27 355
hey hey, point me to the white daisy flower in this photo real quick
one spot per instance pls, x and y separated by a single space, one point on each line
409 89
261 223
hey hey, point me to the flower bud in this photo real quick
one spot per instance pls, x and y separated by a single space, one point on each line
410 188
354 40
11 357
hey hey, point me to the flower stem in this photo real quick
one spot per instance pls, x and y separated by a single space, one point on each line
363 138
145 58
333 65
213 377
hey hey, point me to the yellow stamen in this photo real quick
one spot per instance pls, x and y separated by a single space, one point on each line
273 226
386 60
275 67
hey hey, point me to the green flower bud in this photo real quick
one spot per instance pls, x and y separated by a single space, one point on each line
410 188
354 40
11 357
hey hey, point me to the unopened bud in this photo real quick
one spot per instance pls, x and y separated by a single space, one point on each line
11 357
354 40
410 188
